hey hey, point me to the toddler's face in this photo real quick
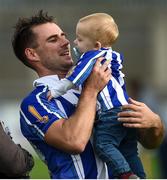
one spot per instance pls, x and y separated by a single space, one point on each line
83 42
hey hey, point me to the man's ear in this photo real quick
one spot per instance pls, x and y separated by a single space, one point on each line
97 45
31 54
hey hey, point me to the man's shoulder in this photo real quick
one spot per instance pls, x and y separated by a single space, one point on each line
35 95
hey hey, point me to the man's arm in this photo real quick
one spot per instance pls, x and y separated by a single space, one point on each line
15 162
149 125
72 134
151 138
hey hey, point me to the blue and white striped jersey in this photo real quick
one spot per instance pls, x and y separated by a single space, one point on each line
114 94
36 116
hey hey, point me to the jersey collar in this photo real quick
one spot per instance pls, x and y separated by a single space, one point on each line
46 81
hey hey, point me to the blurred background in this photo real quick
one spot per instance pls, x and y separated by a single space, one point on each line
143 42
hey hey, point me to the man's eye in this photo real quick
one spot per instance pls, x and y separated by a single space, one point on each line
53 40
64 34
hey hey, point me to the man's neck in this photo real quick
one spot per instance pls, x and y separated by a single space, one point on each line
60 74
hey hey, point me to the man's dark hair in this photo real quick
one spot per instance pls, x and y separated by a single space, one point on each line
23 35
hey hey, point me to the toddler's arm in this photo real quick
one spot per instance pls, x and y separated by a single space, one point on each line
61 88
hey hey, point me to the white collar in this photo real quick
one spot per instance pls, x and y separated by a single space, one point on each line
51 81
46 81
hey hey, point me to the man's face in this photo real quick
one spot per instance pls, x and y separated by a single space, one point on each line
53 48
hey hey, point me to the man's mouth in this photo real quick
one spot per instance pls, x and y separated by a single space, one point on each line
65 53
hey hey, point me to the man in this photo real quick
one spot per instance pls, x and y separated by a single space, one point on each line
60 129
15 162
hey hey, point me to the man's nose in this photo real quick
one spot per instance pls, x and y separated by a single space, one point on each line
65 41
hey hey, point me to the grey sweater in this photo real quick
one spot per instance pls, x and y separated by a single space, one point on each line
15 162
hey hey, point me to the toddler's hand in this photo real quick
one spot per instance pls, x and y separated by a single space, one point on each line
49 96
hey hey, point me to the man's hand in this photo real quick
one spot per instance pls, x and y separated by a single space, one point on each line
99 77
149 124
138 115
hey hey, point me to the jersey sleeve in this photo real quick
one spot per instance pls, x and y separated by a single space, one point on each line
83 68
38 113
